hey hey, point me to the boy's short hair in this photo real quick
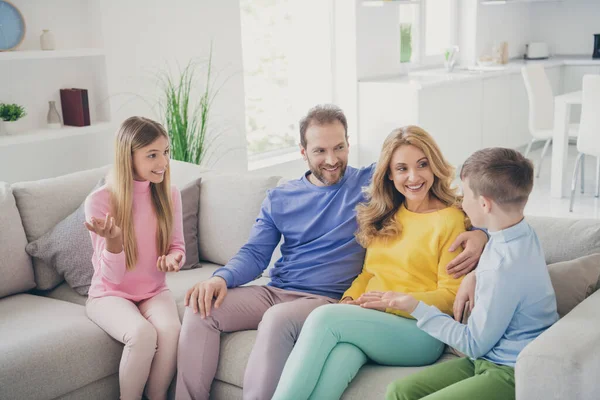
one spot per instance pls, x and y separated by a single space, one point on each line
503 175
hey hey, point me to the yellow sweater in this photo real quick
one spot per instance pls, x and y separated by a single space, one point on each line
415 262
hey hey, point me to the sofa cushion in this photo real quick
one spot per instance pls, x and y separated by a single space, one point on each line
229 205
16 269
574 281
566 239
68 249
190 203
49 348
44 203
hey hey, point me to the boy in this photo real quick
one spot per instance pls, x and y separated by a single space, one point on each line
514 298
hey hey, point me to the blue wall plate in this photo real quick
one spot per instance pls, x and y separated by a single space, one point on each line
12 26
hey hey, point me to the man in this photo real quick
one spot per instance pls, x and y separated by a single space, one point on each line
320 259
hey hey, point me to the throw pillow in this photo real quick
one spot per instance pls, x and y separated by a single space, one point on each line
68 249
190 203
574 281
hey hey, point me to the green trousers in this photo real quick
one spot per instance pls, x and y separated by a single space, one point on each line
459 379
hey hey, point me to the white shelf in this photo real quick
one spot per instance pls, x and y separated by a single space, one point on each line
40 135
49 54
381 3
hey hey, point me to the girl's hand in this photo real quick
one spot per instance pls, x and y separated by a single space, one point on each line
169 263
348 300
108 229
396 301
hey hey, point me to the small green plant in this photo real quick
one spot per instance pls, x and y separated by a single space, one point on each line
186 118
11 112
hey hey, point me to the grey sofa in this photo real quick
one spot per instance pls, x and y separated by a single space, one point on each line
50 350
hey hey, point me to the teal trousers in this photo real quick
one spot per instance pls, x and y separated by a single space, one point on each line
338 339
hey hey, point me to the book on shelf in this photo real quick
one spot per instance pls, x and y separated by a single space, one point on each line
75 107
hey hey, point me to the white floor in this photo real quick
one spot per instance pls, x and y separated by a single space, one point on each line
585 206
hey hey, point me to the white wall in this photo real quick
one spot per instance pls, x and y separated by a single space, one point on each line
503 23
568 27
141 38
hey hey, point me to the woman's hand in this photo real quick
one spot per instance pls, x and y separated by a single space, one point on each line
347 300
382 301
466 292
169 263
473 243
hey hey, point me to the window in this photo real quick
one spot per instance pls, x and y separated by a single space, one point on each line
287 56
434 28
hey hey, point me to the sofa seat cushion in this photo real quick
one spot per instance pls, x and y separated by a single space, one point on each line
49 348
370 382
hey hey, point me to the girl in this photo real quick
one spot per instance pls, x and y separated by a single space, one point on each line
135 222
408 224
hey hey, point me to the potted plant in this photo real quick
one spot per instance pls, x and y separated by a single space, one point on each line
10 115
185 109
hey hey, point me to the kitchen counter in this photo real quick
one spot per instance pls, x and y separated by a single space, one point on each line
439 76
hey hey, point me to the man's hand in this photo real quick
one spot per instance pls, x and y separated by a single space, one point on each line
473 243
394 300
466 292
200 295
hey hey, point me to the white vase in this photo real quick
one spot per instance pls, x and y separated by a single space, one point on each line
47 40
12 127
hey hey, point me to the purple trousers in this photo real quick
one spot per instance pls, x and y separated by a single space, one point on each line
277 314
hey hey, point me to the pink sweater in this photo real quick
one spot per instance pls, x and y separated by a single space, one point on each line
111 277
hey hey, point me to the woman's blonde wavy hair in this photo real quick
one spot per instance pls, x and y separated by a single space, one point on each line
135 133
377 216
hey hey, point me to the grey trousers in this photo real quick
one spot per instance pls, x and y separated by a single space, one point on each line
277 314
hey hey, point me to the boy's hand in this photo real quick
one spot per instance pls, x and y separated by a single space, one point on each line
473 243
466 292
394 300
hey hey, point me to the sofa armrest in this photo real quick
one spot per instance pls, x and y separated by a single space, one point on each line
564 361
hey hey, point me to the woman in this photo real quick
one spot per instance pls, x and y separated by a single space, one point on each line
411 218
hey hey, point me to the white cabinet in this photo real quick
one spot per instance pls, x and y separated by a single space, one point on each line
495 127
573 76
450 113
573 81
555 76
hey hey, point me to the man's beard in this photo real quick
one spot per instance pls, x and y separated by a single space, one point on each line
317 173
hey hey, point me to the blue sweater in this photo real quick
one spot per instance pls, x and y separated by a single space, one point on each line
320 254
514 300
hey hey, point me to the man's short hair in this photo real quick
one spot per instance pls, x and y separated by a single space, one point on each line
321 115
503 175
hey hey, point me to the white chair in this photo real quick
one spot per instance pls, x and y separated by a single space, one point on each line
541 109
588 142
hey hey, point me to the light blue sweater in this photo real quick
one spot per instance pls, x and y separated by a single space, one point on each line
320 254
514 300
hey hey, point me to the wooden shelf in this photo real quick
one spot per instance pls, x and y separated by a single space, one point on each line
49 54
40 135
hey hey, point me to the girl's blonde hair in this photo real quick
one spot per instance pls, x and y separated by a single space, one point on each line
135 133
377 216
